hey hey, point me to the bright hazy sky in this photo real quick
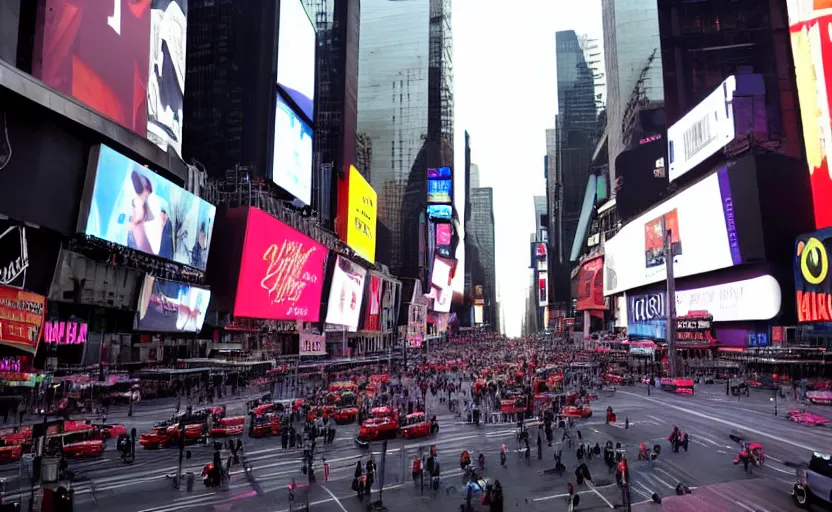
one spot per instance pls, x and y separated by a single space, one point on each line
505 95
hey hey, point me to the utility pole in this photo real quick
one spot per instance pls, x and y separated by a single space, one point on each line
670 302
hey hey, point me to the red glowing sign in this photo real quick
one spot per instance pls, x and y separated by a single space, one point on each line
65 333
21 318
591 285
281 273
443 235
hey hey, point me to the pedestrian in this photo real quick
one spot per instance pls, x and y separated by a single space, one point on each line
284 439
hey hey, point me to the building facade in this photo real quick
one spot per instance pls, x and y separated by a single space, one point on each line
481 229
576 133
406 111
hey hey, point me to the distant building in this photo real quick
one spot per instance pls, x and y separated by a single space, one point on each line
482 230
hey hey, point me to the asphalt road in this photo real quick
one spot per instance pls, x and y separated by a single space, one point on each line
708 417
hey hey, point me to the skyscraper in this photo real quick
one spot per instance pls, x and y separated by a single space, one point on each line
481 228
406 110
336 116
576 132
633 69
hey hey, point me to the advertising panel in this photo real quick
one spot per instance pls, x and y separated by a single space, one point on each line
440 211
444 235
21 318
292 157
310 344
65 333
704 238
542 289
706 129
640 178
296 56
345 294
441 290
28 256
135 207
388 306
362 203
478 315
812 281
811 46
591 285
281 272
479 295
374 296
123 58
171 306
439 191
417 316
539 255
439 172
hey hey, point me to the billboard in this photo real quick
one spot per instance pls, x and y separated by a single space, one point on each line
478 315
372 322
296 56
132 206
591 285
542 289
21 318
811 46
28 256
813 284
539 256
444 237
170 306
704 237
441 289
707 128
440 211
361 214
439 172
345 294
65 333
439 191
123 58
292 152
281 272
479 295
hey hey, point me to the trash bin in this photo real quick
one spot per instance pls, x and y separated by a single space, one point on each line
49 470
189 481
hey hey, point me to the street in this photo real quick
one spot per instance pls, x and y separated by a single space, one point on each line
708 417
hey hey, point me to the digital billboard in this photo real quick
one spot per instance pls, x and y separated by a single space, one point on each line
21 318
292 157
345 294
361 214
296 55
170 306
439 191
811 46
439 172
813 282
440 211
702 220
123 58
132 206
281 272
542 289
441 278
372 322
590 287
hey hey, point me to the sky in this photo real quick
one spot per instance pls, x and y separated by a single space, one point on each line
505 96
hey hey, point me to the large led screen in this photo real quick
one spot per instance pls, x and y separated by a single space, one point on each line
123 58
811 46
170 306
704 237
21 318
132 206
439 191
362 202
441 289
440 211
281 272
166 81
345 294
296 55
590 281
292 160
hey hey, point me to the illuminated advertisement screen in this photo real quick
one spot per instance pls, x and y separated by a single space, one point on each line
811 45
443 235
296 55
704 237
440 211
123 58
361 222
374 296
170 306
281 273
345 294
542 289
292 159
813 282
439 191
441 290
132 206
591 285
439 172
21 318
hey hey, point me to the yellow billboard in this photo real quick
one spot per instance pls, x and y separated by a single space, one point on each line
362 202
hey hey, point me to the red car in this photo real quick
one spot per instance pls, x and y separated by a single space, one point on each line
265 426
9 454
375 429
13 437
345 415
79 444
230 426
417 425
384 412
165 436
577 411
319 411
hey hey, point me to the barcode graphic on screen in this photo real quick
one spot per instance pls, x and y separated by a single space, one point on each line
698 136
